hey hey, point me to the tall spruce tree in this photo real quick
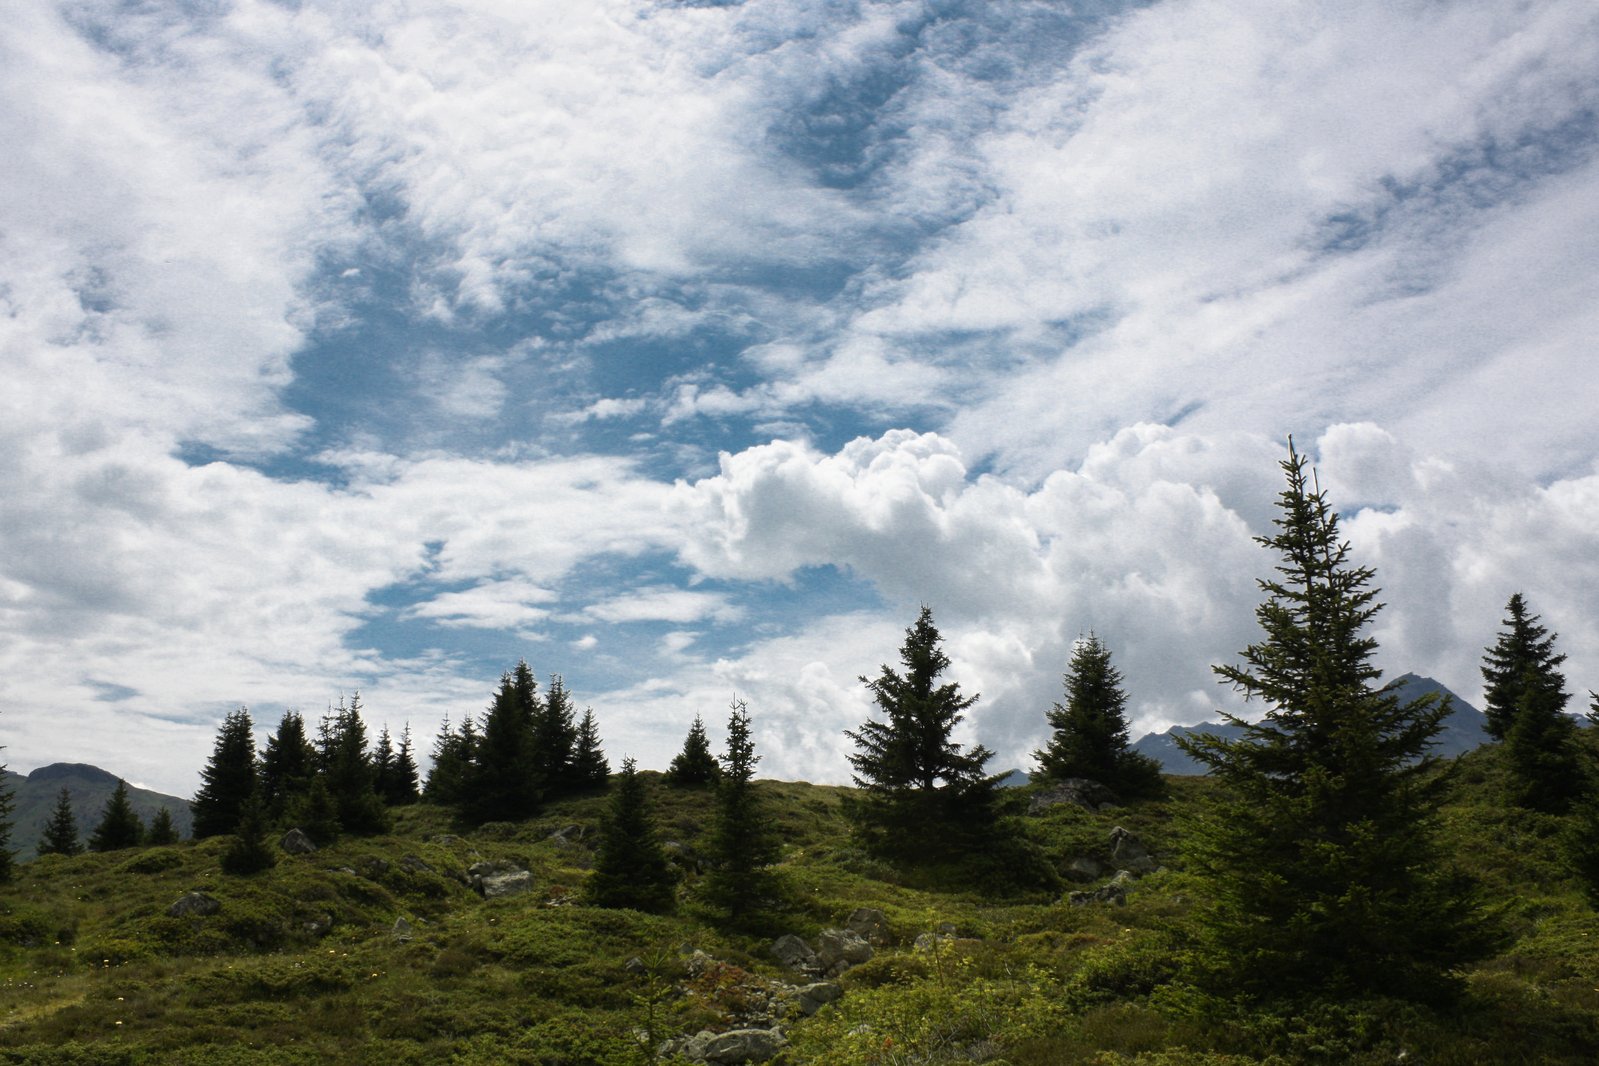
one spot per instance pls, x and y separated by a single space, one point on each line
400 783
1582 834
288 762
228 779
590 770
119 826
1521 658
1319 850
630 868
61 831
502 783
1526 699
250 853
743 844
453 753
555 739
694 766
923 796
7 805
1090 730
346 767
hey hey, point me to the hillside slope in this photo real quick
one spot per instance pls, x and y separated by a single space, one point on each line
90 787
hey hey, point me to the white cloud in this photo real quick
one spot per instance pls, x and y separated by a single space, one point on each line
492 605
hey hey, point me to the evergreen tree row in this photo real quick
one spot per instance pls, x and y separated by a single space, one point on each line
527 749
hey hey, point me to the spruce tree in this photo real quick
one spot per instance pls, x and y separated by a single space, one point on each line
61 831
1318 854
162 831
555 739
119 826
694 766
250 853
315 814
501 783
400 785
228 779
7 805
288 763
1090 731
382 763
346 767
1523 657
590 770
630 868
1582 833
453 753
743 843
923 796
1526 699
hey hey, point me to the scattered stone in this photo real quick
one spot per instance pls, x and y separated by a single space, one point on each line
373 867
870 924
1128 852
1082 792
320 926
635 965
795 954
1084 869
569 836
493 880
839 949
295 842
1114 892
193 903
415 865
697 962
401 933
813 997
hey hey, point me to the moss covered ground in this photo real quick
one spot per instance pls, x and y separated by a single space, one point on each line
303 963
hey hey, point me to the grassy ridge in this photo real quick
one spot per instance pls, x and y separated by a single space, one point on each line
302 964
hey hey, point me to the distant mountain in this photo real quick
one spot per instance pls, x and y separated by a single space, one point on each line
91 787
1462 731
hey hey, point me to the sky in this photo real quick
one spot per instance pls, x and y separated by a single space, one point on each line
686 349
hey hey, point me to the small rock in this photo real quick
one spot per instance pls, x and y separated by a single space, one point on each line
838 949
1084 869
401 933
415 865
635 965
733 1047
1129 852
813 997
319 926
494 880
868 923
295 842
193 903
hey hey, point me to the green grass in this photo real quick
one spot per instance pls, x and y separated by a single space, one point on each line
300 964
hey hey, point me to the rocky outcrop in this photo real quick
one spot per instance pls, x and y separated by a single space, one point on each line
796 955
493 880
295 842
870 924
836 951
733 1047
1127 852
1114 892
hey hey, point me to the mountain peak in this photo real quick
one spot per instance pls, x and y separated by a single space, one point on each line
77 771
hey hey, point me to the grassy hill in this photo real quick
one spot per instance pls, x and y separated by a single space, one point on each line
306 963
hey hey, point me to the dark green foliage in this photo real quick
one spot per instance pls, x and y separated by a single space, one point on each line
555 740
119 826
1582 832
315 814
250 852
743 845
694 766
1090 731
7 805
1526 700
501 784
287 765
1318 856
924 798
162 831
228 779
346 767
453 752
61 832
398 786
1522 658
590 770
630 869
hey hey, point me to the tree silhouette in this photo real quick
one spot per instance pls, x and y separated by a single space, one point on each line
630 869
1090 730
61 831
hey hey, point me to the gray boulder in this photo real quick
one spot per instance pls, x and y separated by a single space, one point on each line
1084 869
295 842
868 923
492 880
401 933
839 949
1129 853
1113 892
734 1046
796 955
813 997
196 904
